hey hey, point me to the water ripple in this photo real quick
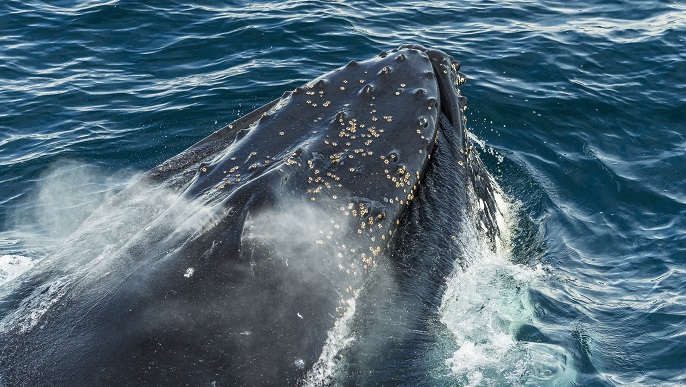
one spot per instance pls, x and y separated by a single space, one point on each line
585 104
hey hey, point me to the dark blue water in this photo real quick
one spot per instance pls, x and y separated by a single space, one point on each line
580 110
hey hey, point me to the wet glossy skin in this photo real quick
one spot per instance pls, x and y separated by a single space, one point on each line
365 130
357 140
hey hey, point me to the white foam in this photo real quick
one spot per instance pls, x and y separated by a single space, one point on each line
484 306
12 266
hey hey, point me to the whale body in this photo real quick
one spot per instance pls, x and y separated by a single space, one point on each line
325 195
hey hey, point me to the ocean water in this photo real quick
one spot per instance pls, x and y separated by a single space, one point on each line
579 111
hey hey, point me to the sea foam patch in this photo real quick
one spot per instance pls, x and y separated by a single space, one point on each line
484 306
12 266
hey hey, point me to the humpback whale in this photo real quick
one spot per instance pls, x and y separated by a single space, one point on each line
337 205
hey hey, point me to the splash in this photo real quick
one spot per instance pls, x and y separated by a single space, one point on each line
486 304
64 196
12 266
324 371
78 227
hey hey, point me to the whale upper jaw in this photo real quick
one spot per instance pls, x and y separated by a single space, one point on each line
365 131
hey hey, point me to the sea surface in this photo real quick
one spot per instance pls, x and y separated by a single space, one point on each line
577 108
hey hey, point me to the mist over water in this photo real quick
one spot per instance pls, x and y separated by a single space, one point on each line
60 200
78 227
